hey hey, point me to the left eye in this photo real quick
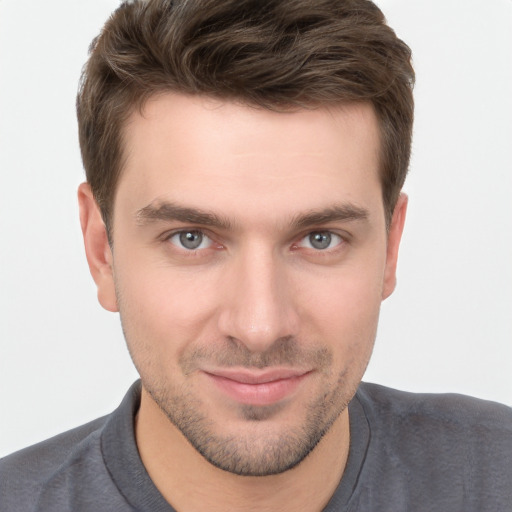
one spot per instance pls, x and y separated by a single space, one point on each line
320 240
190 240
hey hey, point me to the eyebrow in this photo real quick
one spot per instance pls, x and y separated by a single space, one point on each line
340 212
168 212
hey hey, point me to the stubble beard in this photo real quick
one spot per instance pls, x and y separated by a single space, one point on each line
245 453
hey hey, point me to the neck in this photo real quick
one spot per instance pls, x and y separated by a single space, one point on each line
191 484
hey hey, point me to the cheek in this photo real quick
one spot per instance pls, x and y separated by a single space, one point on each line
162 312
352 319
348 294
344 311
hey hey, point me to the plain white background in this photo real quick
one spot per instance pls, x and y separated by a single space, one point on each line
448 327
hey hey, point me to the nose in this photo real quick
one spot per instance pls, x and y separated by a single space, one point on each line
258 307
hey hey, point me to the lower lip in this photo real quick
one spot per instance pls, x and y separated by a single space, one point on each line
265 393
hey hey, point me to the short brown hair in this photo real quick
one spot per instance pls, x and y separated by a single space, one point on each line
275 54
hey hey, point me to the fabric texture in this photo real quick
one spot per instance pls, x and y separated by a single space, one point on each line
408 452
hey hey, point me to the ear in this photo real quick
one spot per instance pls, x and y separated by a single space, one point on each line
97 248
394 236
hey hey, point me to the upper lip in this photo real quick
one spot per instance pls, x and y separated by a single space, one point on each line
256 376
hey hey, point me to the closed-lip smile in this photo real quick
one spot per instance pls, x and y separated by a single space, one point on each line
257 387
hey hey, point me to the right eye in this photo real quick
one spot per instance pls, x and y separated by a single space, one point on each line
190 240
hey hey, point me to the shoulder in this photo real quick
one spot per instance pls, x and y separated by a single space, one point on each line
24 473
447 411
452 446
69 471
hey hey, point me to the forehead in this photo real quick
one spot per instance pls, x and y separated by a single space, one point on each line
241 159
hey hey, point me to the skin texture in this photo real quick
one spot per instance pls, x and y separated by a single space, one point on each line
283 290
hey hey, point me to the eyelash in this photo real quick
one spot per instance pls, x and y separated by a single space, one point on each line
168 238
308 238
340 240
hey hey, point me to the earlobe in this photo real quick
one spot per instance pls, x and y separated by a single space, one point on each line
97 248
395 234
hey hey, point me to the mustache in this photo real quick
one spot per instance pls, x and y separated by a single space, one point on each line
285 351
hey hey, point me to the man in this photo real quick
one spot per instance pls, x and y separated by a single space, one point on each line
243 213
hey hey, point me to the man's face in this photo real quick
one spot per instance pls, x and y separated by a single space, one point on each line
250 259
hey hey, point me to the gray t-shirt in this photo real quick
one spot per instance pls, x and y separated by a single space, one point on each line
408 452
